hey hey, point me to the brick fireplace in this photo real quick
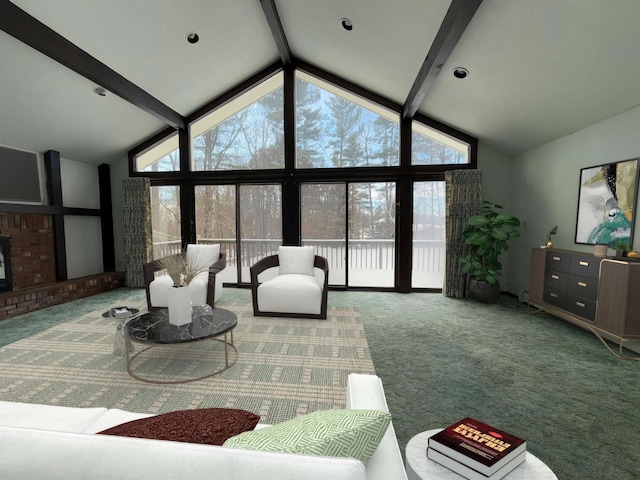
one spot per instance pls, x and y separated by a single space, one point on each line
33 269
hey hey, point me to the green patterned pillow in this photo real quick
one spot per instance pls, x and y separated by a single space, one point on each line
331 433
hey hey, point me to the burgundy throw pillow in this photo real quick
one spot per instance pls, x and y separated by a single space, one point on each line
212 426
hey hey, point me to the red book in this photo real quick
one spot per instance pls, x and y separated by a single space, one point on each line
477 445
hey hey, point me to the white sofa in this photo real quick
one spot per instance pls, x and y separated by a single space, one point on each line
47 442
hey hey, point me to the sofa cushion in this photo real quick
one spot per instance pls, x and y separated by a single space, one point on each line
298 260
48 417
206 425
291 293
335 433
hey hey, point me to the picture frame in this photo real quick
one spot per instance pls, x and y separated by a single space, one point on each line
6 284
606 203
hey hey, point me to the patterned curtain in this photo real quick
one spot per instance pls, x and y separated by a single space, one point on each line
464 199
138 246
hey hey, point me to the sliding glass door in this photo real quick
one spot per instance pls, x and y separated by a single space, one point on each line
165 220
353 226
428 266
216 223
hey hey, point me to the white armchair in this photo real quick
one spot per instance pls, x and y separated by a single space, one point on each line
205 288
293 283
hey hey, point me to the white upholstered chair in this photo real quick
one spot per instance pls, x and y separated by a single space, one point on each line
205 288
292 283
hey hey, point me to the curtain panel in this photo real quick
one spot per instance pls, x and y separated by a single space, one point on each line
138 244
464 199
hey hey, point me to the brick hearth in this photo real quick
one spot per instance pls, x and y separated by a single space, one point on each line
34 271
35 298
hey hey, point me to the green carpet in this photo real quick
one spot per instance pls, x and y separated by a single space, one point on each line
442 359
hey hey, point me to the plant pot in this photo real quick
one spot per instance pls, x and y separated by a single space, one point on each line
179 302
484 292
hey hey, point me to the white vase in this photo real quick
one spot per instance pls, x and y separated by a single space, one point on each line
179 301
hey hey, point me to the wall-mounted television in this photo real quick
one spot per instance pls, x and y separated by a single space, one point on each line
21 178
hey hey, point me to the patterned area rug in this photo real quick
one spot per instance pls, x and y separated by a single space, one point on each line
286 367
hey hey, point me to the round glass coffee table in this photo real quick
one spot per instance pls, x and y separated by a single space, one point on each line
154 329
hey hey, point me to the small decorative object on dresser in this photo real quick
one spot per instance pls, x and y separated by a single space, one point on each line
551 233
621 246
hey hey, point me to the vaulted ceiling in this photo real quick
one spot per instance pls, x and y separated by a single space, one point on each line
538 70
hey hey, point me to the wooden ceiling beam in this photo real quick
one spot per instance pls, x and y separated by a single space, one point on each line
453 26
273 19
22 26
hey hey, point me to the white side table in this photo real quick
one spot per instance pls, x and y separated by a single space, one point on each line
419 467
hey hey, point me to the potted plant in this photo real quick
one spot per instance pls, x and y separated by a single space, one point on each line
488 235
621 246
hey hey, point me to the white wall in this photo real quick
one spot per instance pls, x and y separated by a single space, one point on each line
497 172
83 237
546 184
80 184
83 234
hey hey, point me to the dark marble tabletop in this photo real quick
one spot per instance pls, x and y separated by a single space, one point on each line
154 327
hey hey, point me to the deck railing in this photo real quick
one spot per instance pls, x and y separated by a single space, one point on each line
428 255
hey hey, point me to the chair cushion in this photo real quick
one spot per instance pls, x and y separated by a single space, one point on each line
197 290
333 433
203 255
298 260
290 294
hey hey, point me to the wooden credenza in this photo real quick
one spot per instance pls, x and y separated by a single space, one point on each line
597 293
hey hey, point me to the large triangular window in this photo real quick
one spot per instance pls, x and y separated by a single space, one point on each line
246 133
337 129
433 147
163 156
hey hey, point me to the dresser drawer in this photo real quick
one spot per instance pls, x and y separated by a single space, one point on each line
582 307
583 287
559 298
560 261
585 265
556 279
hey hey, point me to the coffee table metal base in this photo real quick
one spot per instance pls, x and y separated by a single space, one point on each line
227 363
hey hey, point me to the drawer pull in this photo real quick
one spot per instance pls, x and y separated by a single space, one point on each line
584 264
582 284
556 258
580 304
555 277
554 295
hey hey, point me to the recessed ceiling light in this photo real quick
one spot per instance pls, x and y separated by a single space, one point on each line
460 72
347 24
100 91
193 37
